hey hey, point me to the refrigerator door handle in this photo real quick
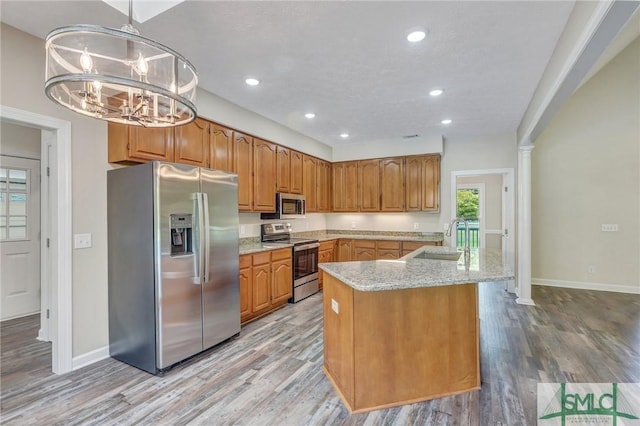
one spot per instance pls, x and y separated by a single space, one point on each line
206 238
200 256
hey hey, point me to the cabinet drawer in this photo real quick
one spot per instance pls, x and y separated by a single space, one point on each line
281 254
413 245
262 258
388 245
327 245
364 243
245 261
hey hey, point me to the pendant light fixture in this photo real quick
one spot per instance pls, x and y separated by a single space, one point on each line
120 76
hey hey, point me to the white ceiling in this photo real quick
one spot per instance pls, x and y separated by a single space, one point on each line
349 62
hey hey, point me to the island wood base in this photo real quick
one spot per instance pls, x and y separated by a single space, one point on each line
396 347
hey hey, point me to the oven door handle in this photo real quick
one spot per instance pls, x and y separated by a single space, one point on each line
306 246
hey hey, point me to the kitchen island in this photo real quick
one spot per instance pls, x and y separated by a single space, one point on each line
403 331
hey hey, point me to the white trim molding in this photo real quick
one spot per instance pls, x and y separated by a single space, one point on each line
90 357
60 285
581 285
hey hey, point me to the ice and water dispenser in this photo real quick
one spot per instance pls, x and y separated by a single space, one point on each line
181 234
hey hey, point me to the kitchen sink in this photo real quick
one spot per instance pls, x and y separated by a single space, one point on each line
438 256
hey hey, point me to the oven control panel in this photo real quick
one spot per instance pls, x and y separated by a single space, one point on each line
276 228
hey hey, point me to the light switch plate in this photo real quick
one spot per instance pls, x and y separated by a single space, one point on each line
81 241
609 227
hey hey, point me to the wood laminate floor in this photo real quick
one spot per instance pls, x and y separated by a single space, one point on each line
272 374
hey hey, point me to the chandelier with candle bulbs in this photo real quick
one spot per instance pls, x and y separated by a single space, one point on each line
120 76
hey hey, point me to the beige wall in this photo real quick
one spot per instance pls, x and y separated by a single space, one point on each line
19 141
585 173
23 88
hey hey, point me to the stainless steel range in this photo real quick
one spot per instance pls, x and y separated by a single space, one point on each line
305 258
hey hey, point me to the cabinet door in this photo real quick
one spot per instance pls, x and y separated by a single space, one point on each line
388 249
344 250
221 148
413 183
296 172
309 182
323 183
369 185
282 285
351 186
151 143
324 256
392 185
409 246
192 143
337 172
132 144
243 166
283 167
261 287
246 284
364 250
264 176
431 183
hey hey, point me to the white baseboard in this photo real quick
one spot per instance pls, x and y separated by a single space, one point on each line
90 357
586 286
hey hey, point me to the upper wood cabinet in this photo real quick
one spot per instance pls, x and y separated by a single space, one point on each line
192 143
345 186
133 144
296 186
243 166
309 182
323 185
423 183
392 185
264 176
221 148
369 185
283 169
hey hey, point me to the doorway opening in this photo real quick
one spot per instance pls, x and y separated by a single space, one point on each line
55 241
489 195
470 206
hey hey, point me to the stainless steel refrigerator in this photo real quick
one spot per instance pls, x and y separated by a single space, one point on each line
173 262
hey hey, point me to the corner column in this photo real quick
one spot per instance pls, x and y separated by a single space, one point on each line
524 226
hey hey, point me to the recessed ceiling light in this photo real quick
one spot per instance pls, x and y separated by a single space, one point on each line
436 92
344 135
446 121
416 36
310 115
252 81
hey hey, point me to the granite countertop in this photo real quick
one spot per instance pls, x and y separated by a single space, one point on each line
258 247
410 272
428 237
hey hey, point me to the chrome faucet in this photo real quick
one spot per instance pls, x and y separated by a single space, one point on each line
454 223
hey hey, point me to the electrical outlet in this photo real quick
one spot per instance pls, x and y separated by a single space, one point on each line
81 241
242 230
306 225
609 227
416 225
353 225
335 307
591 269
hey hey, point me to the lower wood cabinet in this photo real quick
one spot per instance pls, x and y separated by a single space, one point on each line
388 249
364 250
326 253
265 282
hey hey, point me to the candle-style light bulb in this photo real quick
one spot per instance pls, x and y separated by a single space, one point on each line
143 66
85 61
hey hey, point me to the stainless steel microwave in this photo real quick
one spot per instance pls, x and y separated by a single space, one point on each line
288 206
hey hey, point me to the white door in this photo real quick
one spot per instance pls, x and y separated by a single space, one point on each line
19 236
